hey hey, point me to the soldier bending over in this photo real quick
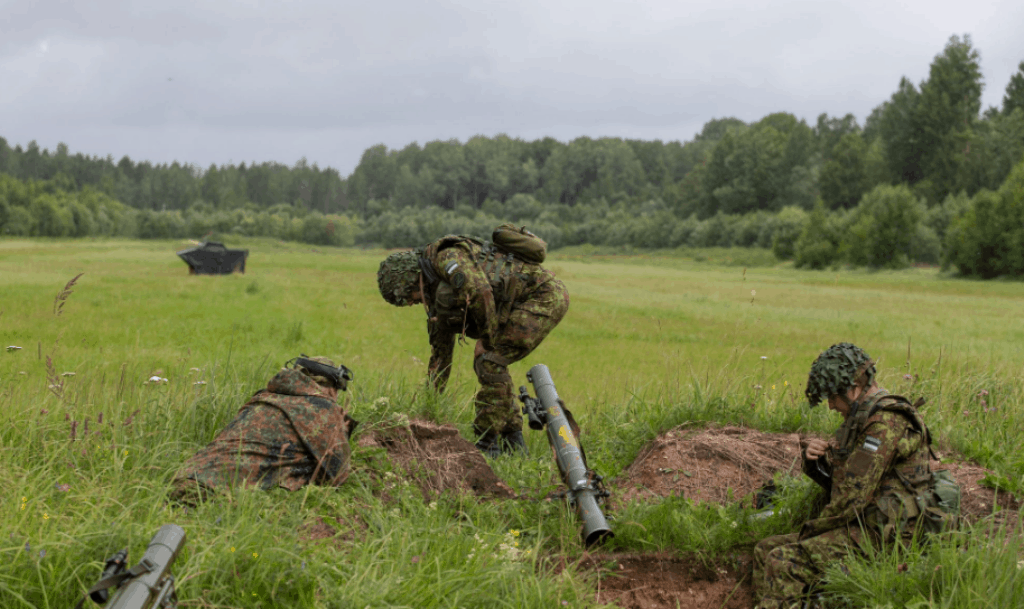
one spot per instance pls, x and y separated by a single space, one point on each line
471 288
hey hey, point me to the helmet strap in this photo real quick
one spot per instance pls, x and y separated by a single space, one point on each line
423 300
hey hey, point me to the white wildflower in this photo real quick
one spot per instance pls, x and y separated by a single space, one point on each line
199 383
432 505
381 403
156 379
14 348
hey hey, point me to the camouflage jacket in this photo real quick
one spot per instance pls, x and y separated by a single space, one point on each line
290 434
471 289
876 483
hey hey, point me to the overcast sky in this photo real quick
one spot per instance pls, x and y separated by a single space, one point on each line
229 81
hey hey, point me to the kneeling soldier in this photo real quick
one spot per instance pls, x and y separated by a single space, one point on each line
876 472
288 435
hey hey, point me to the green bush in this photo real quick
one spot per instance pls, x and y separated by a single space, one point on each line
789 225
818 245
886 223
988 239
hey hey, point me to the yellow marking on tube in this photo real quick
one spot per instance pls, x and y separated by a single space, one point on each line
567 436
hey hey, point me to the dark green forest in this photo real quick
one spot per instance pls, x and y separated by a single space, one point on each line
928 178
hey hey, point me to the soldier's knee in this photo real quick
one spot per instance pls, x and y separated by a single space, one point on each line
492 369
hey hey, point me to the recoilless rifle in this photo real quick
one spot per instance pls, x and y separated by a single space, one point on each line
147 585
585 492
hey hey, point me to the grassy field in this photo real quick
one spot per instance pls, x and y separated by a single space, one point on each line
649 342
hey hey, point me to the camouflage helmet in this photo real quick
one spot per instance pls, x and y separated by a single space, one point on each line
398 277
838 368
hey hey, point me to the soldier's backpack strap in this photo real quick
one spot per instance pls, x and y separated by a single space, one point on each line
847 434
904 407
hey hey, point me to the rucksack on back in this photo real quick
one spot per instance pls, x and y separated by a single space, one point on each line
520 242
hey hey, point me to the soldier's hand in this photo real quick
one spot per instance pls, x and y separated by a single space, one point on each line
814 448
478 350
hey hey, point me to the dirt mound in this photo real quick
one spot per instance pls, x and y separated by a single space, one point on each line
712 464
717 465
437 459
977 501
650 581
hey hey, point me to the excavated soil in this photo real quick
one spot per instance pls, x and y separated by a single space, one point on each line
977 501
717 465
437 459
653 581
723 464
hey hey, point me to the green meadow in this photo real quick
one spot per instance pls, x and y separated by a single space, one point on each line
651 341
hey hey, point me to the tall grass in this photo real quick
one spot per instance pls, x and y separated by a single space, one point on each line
85 459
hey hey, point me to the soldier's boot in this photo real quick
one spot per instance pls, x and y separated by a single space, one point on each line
512 442
489 445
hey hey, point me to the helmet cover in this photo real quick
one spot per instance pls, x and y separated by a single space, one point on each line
836 370
398 277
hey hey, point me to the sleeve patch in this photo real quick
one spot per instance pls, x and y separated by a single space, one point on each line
458 280
860 462
871 444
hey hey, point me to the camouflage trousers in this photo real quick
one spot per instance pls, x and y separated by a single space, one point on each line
786 569
528 325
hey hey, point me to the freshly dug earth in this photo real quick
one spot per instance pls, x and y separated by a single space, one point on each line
650 581
723 464
977 501
437 459
717 465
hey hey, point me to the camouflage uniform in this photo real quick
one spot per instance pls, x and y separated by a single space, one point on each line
288 435
508 304
880 467
868 505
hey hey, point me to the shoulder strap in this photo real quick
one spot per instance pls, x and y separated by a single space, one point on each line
904 407
853 425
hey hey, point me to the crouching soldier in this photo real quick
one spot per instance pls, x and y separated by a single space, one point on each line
502 297
288 435
876 473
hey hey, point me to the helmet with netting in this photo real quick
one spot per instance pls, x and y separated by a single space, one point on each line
398 277
836 370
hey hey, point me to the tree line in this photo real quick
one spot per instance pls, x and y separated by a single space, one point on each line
928 151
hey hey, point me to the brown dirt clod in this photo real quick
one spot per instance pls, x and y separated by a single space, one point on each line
717 465
653 581
437 459
977 501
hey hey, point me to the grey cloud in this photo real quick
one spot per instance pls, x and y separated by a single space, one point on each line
213 81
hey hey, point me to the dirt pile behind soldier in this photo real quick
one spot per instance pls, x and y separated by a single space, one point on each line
977 501
717 465
437 459
723 464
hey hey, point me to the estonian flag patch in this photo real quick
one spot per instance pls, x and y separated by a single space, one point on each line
871 444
